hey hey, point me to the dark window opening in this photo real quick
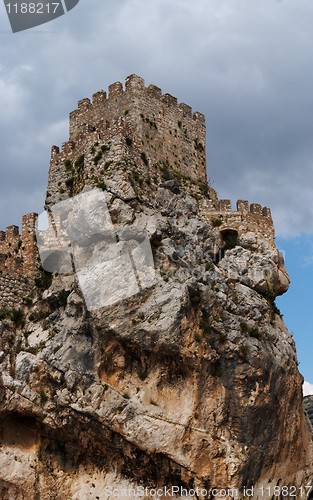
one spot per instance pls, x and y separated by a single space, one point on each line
230 240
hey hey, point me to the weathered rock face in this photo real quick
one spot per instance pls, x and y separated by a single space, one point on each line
192 382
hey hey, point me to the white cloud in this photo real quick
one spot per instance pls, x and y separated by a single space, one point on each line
307 388
11 97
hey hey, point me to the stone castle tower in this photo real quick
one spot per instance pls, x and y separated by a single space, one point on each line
135 132
138 125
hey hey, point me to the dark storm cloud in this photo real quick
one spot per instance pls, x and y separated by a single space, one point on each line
246 64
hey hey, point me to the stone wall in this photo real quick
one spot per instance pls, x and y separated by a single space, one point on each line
136 127
246 218
15 290
18 252
139 124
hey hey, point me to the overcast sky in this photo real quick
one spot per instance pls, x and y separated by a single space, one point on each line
246 64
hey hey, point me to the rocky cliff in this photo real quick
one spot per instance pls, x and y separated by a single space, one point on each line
192 382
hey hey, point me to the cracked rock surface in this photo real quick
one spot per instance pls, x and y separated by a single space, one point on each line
192 382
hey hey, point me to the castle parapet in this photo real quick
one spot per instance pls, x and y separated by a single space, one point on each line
134 86
68 147
134 82
18 252
266 212
248 217
158 128
11 232
154 91
224 206
115 90
199 117
169 100
99 97
187 110
55 150
256 208
243 206
84 104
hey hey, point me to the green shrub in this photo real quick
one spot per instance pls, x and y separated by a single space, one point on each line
17 316
26 334
44 281
97 158
270 296
69 182
107 164
62 298
244 327
68 165
222 337
217 222
4 313
28 301
142 374
195 296
197 337
202 186
165 170
276 309
252 331
80 162
255 333
205 326
144 158
102 185
199 146
43 397
39 315
209 266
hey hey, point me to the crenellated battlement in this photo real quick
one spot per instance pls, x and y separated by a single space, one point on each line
18 252
244 208
246 218
139 124
135 94
89 115
134 87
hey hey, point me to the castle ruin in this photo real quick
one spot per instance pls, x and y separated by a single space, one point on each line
131 126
